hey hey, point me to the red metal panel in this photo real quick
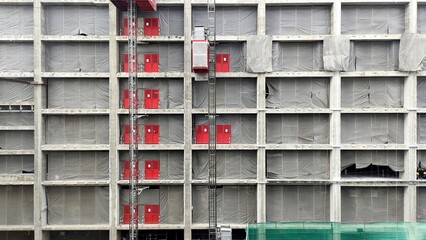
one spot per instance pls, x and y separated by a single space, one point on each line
222 62
126 213
152 213
126 170
151 98
201 134
127 133
126 99
223 133
152 133
151 62
125 62
146 5
151 26
152 169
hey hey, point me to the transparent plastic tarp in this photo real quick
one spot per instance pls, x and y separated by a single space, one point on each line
372 204
170 55
365 92
230 93
16 205
371 128
16 91
421 128
77 165
243 127
171 127
170 199
17 140
78 235
421 18
77 129
16 119
16 57
301 56
76 20
298 164
362 159
237 54
259 54
18 235
374 56
170 91
77 205
421 200
412 52
16 20
171 163
230 164
297 203
373 19
298 129
78 93
229 20
297 92
235 204
77 57
298 20
421 89
16 164
336 53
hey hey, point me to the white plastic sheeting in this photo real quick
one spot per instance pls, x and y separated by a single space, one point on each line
298 92
421 88
77 205
171 127
365 92
297 129
336 53
77 129
230 164
301 56
372 128
171 163
78 93
229 20
259 54
170 199
412 52
18 235
16 20
16 57
235 204
170 91
76 20
298 20
77 165
77 57
373 19
170 55
372 204
230 93
16 205
297 204
298 164
374 56
421 200
16 119
17 140
421 128
421 18
243 127
16 164
237 54
16 91
78 235
362 159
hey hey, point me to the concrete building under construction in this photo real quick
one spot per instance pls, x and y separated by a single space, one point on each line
321 116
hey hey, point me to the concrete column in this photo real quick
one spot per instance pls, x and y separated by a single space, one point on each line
335 125
187 121
114 125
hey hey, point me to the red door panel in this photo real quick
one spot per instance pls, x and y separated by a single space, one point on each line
151 98
223 133
152 169
152 213
202 134
152 134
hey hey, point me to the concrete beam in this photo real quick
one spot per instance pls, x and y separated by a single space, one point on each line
75 111
75 74
74 38
75 147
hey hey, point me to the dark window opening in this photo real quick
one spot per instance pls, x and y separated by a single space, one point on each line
156 235
373 171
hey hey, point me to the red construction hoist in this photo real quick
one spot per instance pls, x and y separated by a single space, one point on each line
131 7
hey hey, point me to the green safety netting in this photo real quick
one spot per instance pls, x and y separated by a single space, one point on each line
337 231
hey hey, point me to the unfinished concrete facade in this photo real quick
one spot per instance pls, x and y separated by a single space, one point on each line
310 141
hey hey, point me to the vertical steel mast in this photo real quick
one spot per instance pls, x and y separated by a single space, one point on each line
133 117
211 9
